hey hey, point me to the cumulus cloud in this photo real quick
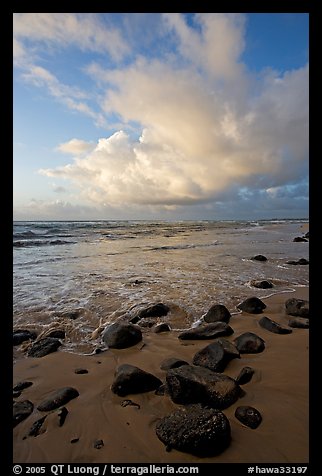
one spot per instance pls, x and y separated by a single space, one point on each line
75 147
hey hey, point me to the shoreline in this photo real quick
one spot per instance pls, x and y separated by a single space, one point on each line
279 389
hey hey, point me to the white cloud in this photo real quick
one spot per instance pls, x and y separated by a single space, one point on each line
75 147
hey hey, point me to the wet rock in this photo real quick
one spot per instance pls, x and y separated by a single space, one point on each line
195 430
162 328
216 355
57 333
98 444
155 310
16 394
262 284
245 375
259 258
249 343
43 347
249 416
21 335
36 427
273 326
297 307
172 363
130 379
301 261
121 335
299 239
21 386
299 322
81 371
217 312
21 410
307 235
72 314
74 440
207 331
58 398
162 390
191 384
62 414
252 305
147 323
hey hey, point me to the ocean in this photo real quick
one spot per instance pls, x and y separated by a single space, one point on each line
76 275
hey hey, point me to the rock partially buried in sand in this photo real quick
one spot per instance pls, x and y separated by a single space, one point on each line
121 335
297 307
299 322
207 331
245 375
36 427
301 261
21 386
172 363
252 305
264 284
217 355
249 343
299 239
57 333
155 310
191 384
196 430
273 326
130 379
249 416
259 258
43 347
21 410
58 398
21 335
163 327
217 312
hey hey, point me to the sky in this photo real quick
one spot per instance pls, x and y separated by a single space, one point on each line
160 116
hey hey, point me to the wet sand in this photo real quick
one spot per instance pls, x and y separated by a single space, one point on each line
279 389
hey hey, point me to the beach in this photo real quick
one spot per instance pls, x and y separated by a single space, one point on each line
189 268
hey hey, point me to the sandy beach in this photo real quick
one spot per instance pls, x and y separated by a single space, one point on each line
279 389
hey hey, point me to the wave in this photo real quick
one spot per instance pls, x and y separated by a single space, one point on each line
184 247
30 243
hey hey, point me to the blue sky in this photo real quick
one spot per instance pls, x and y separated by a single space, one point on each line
160 116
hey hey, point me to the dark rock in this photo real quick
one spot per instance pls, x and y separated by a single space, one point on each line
196 430
126 403
62 414
217 312
259 258
21 335
172 363
245 375
98 444
72 314
262 284
249 343
301 261
297 307
57 333
131 379
273 326
81 371
36 427
307 235
216 355
299 322
249 416
252 305
43 347
299 239
21 386
74 440
191 384
156 310
147 323
121 335
207 331
16 393
162 328
21 410
58 398
162 390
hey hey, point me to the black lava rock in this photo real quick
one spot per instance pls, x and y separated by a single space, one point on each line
43 347
273 326
130 379
207 331
58 398
21 410
121 335
249 416
252 305
217 312
249 343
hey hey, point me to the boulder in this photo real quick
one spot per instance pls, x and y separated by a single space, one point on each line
130 379
121 335
297 307
299 322
245 375
155 310
216 355
163 327
252 305
21 410
43 347
249 416
273 326
207 331
259 258
57 333
249 343
262 284
21 335
299 239
58 398
217 312
21 386
191 384
172 363
196 430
